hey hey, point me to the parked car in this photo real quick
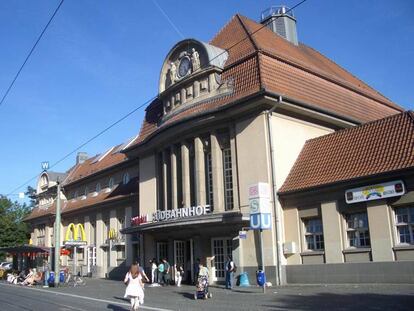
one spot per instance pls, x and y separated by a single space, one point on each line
6 265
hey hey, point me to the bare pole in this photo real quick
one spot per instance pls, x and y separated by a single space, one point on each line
262 259
57 235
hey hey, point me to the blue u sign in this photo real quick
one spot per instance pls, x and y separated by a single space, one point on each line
261 221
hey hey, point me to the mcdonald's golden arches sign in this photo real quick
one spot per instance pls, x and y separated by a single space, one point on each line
75 235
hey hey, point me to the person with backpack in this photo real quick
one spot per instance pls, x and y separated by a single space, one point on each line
230 268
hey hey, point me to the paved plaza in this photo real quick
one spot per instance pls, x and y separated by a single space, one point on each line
108 295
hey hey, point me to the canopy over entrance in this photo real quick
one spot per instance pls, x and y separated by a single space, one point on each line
25 249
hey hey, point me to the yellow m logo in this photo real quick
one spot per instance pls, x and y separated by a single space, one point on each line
75 233
112 234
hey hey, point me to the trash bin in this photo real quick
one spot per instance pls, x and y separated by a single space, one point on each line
61 276
244 280
261 277
51 279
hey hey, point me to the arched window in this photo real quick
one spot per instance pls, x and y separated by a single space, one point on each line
125 179
98 187
76 194
86 191
43 181
111 183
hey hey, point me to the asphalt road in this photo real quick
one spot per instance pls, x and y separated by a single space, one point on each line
108 295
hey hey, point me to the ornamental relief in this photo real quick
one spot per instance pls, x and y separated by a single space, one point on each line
186 64
191 74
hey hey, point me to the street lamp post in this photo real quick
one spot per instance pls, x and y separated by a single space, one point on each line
57 236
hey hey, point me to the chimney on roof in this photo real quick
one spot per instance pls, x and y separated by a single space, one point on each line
81 157
280 20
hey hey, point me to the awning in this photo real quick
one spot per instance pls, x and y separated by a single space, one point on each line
214 219
407 198
25 249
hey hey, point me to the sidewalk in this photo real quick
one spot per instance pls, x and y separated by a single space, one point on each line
307 297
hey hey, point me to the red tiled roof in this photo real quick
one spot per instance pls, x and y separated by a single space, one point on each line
120 192
267 61
377 147
91 165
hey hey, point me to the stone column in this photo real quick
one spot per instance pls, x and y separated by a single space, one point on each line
380 230
99 241
128 237
165 178
185 164
113 224
217 168
174 188
331 220
89 239
200 173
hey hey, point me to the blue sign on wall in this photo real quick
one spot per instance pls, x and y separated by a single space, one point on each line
261 221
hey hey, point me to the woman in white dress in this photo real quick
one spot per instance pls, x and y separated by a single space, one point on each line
135 287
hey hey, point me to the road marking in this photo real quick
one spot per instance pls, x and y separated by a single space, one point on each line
86 298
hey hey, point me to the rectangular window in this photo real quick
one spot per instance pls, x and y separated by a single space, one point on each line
314 234
162 251
228 179
41 235
404 221
357 230
209 180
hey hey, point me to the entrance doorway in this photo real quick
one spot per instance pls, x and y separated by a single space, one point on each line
220 248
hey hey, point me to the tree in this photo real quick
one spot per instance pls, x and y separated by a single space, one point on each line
31 193
13 231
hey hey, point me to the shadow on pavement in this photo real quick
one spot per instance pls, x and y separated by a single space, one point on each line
121 298
329 301
186 295
116 308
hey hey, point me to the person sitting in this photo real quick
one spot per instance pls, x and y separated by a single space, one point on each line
22 276
29 280
38 278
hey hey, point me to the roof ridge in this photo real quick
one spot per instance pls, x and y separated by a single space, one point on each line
249 35
346 70
361 126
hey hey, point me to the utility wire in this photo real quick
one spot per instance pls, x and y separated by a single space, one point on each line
30 53
142 105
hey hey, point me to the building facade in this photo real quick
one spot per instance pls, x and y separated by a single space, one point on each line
234 112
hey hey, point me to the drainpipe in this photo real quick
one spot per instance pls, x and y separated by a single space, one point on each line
274 192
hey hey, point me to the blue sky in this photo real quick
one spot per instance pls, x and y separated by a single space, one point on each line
100 59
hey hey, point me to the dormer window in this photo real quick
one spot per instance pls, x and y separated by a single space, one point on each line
125 179
111 183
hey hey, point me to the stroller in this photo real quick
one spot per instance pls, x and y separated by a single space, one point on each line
202 288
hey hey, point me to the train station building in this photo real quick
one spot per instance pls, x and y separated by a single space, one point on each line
251 106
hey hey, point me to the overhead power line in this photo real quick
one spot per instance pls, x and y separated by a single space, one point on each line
30 53
140 106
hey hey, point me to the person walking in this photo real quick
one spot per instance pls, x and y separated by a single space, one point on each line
154 268
229 268
135 287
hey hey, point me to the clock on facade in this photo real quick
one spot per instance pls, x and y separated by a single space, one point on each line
184 67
